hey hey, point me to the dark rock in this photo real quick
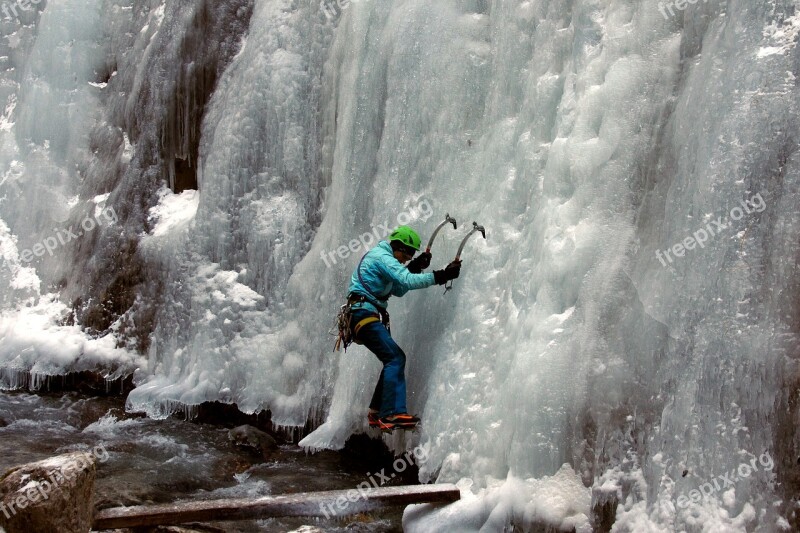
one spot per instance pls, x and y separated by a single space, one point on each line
604 510
188 528
250 437
229 416
50 495
86 382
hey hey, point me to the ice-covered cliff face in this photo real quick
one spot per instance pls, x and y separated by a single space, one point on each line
633 312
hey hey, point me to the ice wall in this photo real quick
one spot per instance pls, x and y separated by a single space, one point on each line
596 326
235 335
53 69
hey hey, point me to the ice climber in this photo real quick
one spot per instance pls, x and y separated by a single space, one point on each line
381 274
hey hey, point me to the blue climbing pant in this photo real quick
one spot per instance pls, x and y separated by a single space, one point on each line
389 397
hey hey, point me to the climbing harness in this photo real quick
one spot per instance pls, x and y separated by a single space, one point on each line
344 318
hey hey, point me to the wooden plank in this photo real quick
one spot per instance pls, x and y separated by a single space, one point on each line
326 503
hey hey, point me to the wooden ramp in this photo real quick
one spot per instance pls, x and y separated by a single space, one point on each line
328 504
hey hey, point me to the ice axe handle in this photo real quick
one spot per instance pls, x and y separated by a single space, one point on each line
447 219
475 227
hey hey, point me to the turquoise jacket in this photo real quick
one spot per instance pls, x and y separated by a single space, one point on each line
384 276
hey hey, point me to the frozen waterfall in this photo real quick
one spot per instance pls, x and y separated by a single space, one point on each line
621 344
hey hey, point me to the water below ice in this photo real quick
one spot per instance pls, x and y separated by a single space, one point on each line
142 461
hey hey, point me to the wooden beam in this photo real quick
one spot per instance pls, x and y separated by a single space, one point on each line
329 504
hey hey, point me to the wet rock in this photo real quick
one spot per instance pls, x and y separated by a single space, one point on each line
50 495
202 528
86 411
250 437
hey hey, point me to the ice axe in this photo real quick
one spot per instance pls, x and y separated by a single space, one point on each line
475 228
447 218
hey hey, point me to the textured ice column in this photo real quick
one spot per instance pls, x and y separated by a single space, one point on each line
714 219
226 332
51 99
572 106
49 116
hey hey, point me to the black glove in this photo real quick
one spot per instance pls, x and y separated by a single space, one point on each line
419 263
451 271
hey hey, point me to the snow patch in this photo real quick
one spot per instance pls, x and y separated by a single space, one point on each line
785 37
559 501
36 341
173 211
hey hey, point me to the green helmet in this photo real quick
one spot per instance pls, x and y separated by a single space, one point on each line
407 236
